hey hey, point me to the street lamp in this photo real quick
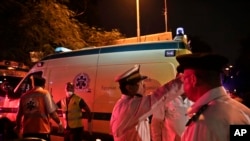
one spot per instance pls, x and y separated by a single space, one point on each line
165 15
138 18
138 21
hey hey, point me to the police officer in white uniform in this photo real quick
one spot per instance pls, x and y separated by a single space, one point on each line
213 110
129 120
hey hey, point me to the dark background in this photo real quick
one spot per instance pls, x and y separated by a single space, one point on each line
221 23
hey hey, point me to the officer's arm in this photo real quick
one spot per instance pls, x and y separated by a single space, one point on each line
55 117
51 109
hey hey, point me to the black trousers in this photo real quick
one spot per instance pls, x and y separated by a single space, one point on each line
73 134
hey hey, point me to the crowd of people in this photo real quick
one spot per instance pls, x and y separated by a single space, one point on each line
194 106
208 118
37 108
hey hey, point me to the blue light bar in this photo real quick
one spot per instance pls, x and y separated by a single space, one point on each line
62 49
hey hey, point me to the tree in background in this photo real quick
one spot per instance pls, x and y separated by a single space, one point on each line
42 25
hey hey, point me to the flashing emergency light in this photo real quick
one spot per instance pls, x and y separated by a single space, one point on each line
62 49
180 31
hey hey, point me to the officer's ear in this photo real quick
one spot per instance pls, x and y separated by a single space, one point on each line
132 89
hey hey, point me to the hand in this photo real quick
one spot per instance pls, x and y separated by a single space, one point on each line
60 128
90 128
17 130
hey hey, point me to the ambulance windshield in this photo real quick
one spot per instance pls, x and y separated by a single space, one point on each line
26 85
7 84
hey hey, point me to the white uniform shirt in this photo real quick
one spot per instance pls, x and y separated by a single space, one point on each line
213 123
129 120
168 123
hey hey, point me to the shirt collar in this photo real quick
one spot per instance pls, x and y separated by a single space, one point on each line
206 98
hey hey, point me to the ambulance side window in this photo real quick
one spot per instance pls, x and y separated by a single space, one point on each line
26 85
7 84
29 81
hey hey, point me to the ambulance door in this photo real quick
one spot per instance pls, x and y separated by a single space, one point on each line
83 78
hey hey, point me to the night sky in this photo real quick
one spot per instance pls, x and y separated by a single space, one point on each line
221 23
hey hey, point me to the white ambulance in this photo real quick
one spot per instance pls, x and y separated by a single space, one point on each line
92 70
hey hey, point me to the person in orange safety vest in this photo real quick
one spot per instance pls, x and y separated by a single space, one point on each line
34 112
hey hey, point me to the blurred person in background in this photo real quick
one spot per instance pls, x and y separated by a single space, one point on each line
72 107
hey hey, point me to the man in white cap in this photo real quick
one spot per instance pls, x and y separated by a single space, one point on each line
213 110
129 120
